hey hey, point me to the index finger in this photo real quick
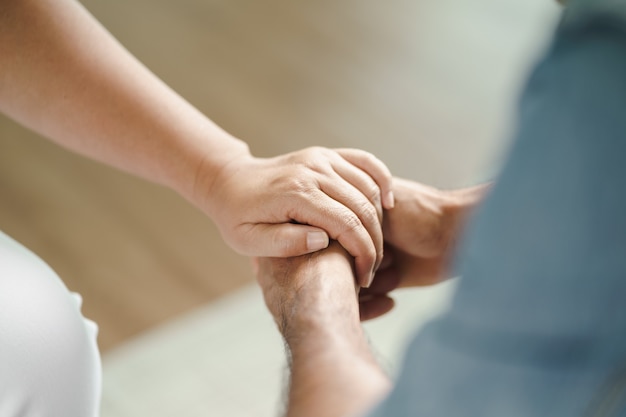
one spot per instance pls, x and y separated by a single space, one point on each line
342 225
375 168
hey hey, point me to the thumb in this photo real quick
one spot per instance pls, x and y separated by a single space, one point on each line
284 240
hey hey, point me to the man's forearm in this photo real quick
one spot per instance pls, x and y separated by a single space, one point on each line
314 302
333 372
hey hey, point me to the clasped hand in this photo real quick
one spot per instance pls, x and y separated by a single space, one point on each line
295 203
419 234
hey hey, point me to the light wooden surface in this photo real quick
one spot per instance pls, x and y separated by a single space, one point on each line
404 79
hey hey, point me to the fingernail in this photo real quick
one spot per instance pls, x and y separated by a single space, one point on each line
390 200
316 241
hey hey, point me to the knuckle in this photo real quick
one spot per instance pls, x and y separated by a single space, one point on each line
309 153
369 217
282 245
299 183
363 156
368 213
297 180
373 193
367 155
314 150
351 223
316 159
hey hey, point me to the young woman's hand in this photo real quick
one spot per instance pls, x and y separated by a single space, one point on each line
293 204
95 98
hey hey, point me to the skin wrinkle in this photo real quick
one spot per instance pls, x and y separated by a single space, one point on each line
304 298
333 366
104 104
207 191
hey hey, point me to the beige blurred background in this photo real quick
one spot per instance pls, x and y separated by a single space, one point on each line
429 87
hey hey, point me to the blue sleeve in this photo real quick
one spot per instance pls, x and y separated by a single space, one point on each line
538 324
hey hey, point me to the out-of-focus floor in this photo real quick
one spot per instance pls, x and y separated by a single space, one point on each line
429 87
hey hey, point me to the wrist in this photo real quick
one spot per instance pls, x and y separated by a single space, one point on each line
312 294
329 312
204 166
313 299
333 370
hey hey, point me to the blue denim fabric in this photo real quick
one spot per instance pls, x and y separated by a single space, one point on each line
538 324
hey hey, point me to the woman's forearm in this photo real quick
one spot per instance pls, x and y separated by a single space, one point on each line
63 75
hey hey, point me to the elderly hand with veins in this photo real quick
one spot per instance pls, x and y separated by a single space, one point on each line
420 236
317 304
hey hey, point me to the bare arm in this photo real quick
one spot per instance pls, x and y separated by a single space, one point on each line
314 302
63 75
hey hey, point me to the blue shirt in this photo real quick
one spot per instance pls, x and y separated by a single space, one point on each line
538 324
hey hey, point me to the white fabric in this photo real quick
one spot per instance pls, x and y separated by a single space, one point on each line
49 360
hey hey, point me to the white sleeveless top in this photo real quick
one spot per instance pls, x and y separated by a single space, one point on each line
49 359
